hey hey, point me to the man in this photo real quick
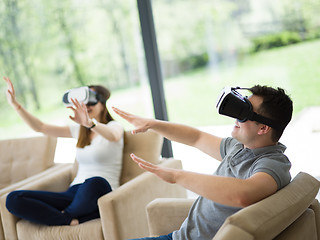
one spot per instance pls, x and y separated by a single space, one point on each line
252 167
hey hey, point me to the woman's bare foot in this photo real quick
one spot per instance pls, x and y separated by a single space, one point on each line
74 222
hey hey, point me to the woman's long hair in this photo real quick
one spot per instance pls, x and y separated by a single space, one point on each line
105 117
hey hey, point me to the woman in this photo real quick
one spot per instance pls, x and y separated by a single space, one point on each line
99 154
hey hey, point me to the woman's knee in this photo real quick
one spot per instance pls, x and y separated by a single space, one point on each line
13 200
96 179
98 183
97 186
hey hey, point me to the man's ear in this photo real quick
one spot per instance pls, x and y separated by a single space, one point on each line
264 129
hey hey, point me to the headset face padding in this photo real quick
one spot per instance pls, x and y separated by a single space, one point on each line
82 94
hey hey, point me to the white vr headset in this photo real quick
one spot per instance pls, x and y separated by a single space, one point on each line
83 95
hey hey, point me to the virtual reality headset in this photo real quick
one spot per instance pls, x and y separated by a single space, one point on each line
83 95
231 103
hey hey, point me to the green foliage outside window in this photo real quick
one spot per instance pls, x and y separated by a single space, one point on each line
47 47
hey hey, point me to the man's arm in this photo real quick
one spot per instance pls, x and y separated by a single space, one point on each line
205 142
224 190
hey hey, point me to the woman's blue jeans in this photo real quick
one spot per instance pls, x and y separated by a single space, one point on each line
59 208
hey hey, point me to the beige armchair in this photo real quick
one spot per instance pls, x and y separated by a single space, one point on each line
291 213
122 211
24 157
24 160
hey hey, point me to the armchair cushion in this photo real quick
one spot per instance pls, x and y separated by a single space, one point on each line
166 215
24 157
89 230
302 228
145 145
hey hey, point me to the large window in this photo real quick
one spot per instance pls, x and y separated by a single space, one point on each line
48 47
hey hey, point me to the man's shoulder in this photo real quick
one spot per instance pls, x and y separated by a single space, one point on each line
229 141
228 144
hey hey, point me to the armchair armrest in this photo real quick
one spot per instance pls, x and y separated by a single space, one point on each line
166 215
315 206
122 211
28 180
58 180
56 168
273 215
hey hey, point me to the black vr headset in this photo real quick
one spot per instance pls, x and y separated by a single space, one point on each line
83 95
231 103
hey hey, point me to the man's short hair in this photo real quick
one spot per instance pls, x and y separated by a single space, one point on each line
276 105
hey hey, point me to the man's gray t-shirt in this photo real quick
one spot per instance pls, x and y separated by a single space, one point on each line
205 216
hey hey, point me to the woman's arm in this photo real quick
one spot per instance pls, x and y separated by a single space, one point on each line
33 122
111 132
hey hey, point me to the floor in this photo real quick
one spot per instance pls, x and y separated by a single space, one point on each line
302 137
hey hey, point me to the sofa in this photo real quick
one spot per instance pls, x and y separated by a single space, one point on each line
292 213
122 212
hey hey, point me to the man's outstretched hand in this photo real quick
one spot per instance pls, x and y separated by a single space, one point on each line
166 174
140 124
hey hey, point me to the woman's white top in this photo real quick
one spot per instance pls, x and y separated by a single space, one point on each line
101 158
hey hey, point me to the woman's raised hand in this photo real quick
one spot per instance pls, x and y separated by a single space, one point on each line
81 115
11 96
140 124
